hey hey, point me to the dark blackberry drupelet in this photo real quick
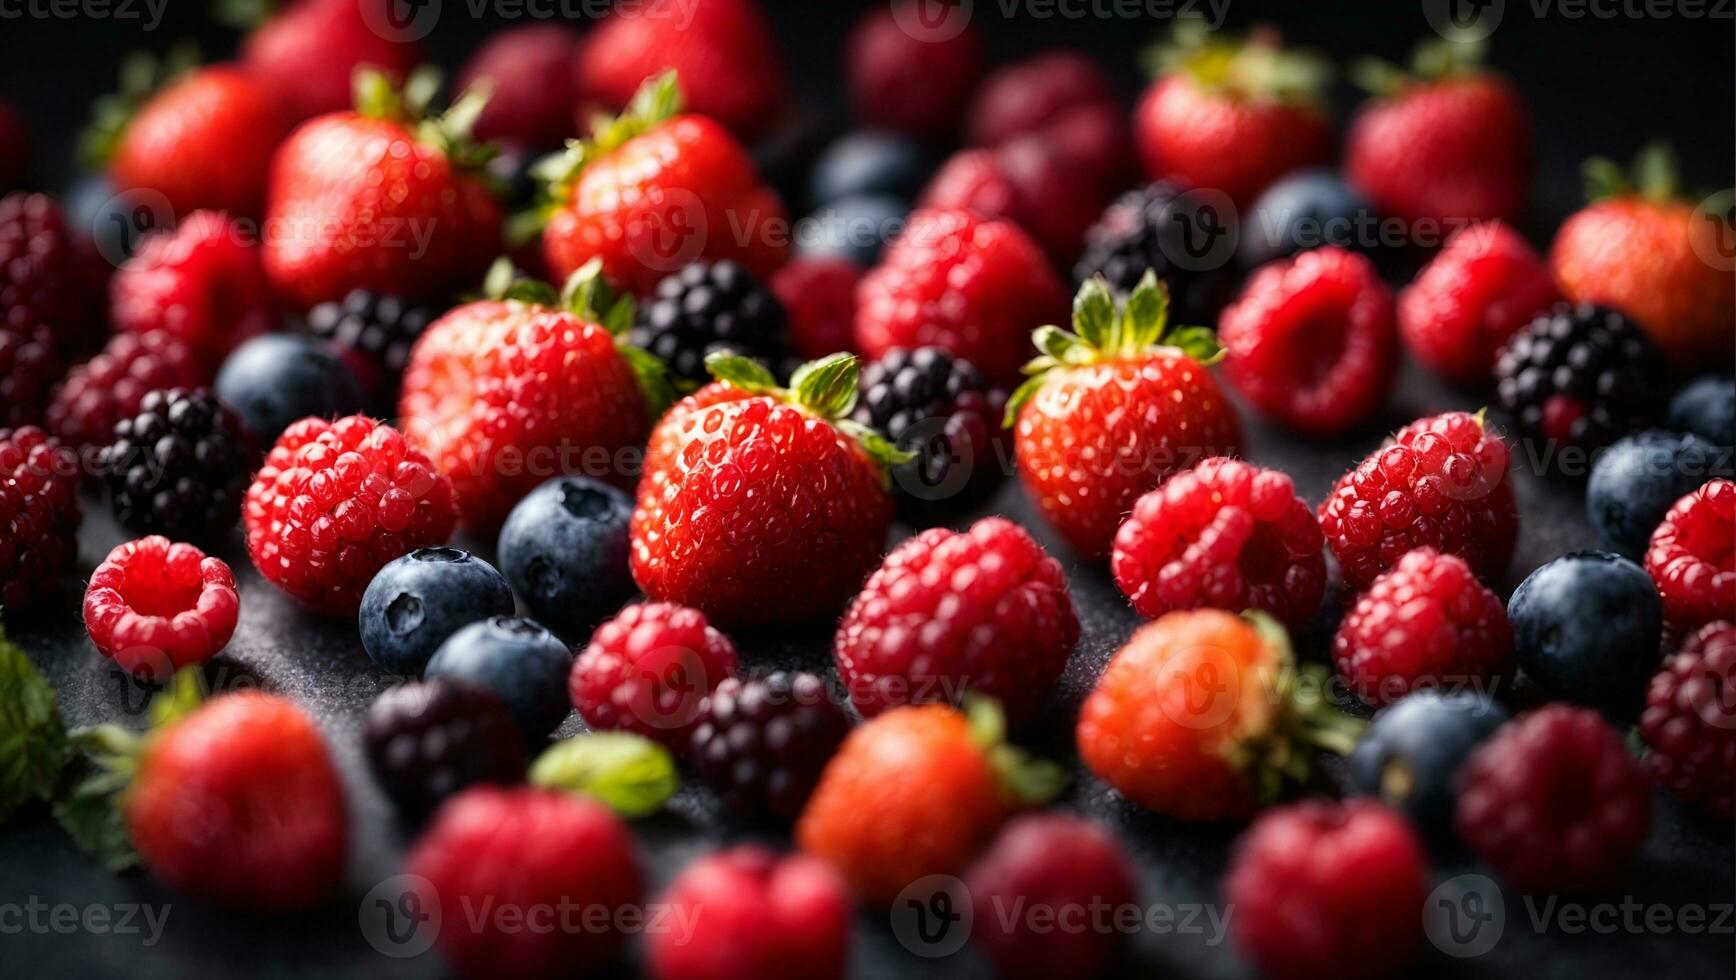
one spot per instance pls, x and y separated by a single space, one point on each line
939 407
1581 376
761 742
375 332
426 740
712 306
180 466
1182 236
39 516
30 364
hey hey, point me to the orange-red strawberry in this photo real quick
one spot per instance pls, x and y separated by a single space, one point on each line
381 200
1231 116
1113 409
1204 715
1642 250
653 191
918 791
308 53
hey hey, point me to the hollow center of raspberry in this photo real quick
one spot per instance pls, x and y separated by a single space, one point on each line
1315 347
151 593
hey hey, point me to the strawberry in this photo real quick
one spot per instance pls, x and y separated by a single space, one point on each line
1111 410
1028 182
1204 715
652 191
202 282
1231 116
374 199
529 71
307 53
911 65
1641 249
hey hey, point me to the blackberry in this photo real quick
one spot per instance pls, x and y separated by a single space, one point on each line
761 742
426 740
39 515
712 306
180 466
1580 376
938 406
376 332
30 364
1188 241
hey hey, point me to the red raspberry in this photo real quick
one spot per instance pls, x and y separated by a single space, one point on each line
755 915
1329 889
39 515
1482 286
1311 341
1692 557
202 282
648 671
108 387
1689 723
556 871
1553 801
1025 181
1425 622
336 501
1063 98
30 364
985 609
909 73
820 297
45 273
975 287
1222 534
529 71
156 606
1440 482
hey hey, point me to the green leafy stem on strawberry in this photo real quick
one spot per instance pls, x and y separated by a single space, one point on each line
1258 68
1654 176
1432 61
142 75
824 389
449 132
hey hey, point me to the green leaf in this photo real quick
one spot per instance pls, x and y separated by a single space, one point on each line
652 376
879 448
1027 779
242 15
1655 172
1057 344
1147 313
587 292
1022 394
87 811
743 372
1199 343
1604 179
499 278
374 95
1094 314
630 774
827 387
33 742
1381 79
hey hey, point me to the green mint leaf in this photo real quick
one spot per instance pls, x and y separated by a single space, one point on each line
33 742
630 774
827 387
743 372
1199 343
1094 314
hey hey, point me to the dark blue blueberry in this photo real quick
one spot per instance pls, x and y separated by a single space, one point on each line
524 664
1587 626
420 599
1413 751
870 164
115 222
279 379
1307 210
853 228
1636 480
564 549
1706 407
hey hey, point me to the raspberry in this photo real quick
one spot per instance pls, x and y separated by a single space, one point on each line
1692 557
203 282
334 502
1311 342
648 671
1154 228
1581 376
39 513
1425 622
44 273
1688 722
1223 534
1483 285
760 743
907 80
1329 889
707 307
30 364
1027 181
427 740
156 606
108 387
1440 482
1554 802
1064 98
820 296
180 466
376 332
756 915
985 609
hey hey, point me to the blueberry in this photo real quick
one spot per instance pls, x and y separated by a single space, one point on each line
524 664
279 379
564 549
1587 626
870 164
1306 210
417 601
115 222
853 228
1706 407
1636 480
1413 751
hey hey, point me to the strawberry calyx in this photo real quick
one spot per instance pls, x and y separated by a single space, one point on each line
142 76
1028 779
376 97
1255 69
1431 61
1654 176
824 389
1104 330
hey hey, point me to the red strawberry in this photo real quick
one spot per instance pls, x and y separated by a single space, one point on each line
820 296
1062 97
723 50
1231 116
756 916
1114 409
1025 181
532 99
202 282
911 65
15 149
373 200
653 191
1482 286
308 53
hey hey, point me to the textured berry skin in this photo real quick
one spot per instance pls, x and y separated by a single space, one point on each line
109 387
1051 862
1026 181
334 502
1425 622
503 395
1312 341
30 364
1483 285
420 599
1692 556
1411 756
156 606
761 742
1222 534
648 670
1587 626
871 163
756 915
1580 376
982 610
428 740
565 550
912 81
278 379
205 141
529 69
1222 142
1706 407
708 307
1161 227
534 849
1063 98
976 288
1688 725
180 466
1305 210
1635 481
1440 482
1554 802
43 273
248 777
819 294
308 54
202 282
939 407
1329 889
520 661
376 334
39 513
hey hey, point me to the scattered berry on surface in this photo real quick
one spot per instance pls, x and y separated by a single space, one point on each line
529 73
30 364
1692 556
565 550
202 282
1027 181
1587 626
914 82
1483 286
757 915
870 162
416 601
279 379
852 229
1580 376
109 387
761 742
428 740
648 671
820 296
1413 751
1706 407
375 332
1688 724
180 466
709 307
520 661
1063 98
1305 210
156 606
44 274
1634 482
39 513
